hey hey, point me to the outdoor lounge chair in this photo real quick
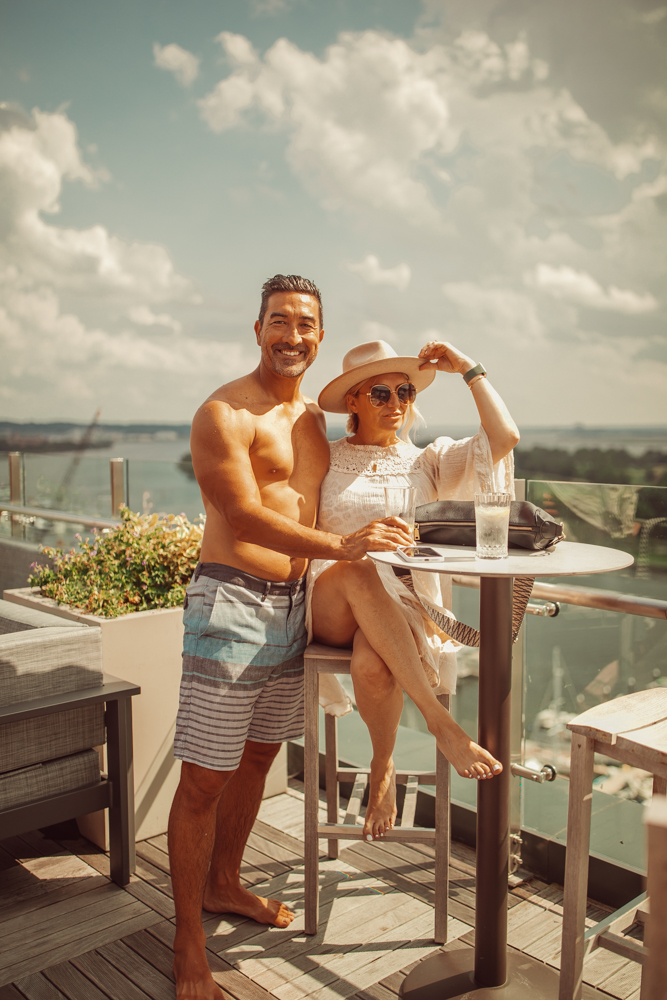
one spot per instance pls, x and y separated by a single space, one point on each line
52 718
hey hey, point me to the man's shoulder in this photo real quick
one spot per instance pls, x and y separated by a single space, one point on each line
226 413
315 411
238 393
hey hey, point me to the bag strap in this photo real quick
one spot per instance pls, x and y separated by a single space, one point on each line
466 634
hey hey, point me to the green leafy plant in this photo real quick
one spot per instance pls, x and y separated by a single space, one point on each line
144 563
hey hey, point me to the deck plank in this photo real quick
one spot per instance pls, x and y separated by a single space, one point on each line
72 982
147 893
37 987
284 945
143 974
46 893
110 927
348 927
10 992
107 977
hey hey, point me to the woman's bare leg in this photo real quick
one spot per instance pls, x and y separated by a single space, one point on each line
350 595
379 699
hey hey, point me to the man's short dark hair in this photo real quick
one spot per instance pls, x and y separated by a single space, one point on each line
288 283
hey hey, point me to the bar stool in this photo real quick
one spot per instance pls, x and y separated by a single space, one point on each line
633 730
319 659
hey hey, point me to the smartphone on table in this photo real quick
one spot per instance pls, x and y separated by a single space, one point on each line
421 553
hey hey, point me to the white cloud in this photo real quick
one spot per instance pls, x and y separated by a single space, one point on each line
36 158
371 330
371 271
359 119
501 313
183 64
237 48
651 17
583 290
51 355
376 123
144 316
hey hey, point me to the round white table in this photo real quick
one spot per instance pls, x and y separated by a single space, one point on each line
490 972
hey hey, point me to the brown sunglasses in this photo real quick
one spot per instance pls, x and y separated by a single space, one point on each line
380 395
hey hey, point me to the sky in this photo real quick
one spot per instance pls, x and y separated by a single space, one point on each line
492 174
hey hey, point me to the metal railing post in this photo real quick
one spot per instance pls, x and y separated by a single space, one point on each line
118 469
16 490
517 727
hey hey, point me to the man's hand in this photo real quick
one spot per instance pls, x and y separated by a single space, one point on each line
447 357
379 536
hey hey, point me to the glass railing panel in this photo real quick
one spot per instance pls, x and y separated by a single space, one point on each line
164 488
584 657
75 483
63 481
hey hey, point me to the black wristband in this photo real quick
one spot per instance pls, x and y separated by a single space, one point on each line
477 370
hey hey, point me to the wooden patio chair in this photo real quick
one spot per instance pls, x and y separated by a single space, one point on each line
633 730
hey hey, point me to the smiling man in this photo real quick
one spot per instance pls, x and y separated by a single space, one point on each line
260 452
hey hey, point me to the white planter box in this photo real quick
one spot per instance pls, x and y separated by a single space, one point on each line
144 648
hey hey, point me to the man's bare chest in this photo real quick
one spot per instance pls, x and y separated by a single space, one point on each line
298 456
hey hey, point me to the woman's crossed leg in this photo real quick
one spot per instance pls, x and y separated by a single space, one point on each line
351 605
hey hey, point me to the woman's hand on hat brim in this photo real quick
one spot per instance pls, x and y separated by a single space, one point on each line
445 358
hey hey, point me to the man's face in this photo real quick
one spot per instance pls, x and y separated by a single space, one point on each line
290 333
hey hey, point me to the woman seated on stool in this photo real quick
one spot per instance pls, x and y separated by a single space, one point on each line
363 604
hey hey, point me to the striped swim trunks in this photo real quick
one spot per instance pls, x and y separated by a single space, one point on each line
242 665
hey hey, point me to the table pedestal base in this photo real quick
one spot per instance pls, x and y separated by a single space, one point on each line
449 976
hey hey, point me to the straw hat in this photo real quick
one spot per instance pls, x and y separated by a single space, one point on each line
366 360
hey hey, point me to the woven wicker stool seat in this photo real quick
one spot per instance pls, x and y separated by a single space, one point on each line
632 730
320 659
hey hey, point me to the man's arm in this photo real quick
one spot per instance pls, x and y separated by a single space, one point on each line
221 442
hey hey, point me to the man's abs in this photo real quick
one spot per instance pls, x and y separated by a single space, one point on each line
219 545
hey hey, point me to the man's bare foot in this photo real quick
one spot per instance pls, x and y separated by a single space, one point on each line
468 758
192 974
240 900
381 809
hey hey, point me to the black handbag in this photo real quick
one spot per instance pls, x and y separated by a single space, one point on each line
452 522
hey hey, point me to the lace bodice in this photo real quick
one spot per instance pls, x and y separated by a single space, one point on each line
353 490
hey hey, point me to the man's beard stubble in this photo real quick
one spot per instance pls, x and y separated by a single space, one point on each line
282 366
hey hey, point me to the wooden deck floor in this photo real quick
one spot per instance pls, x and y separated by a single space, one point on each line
66 931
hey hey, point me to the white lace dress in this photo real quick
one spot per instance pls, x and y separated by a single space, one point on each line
352 495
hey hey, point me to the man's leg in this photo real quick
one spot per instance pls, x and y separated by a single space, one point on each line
191 838
237 811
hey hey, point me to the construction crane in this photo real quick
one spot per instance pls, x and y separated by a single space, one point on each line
80 447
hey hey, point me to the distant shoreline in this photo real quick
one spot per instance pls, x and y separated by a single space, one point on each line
168 442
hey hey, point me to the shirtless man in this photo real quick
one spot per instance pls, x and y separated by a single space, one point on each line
260 452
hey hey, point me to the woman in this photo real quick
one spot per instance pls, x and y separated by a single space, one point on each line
363 604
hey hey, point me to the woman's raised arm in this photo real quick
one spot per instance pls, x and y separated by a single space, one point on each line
502 432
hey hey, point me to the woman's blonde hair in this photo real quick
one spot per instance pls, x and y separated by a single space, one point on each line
413 418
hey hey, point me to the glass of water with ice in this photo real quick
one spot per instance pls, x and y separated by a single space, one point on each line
492 520
400 501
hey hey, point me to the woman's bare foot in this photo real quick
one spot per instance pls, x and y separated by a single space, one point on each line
468 758
191 972
381 809
240 900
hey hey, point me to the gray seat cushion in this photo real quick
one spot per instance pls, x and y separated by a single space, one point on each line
18 618
31 741
47 659
43 781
